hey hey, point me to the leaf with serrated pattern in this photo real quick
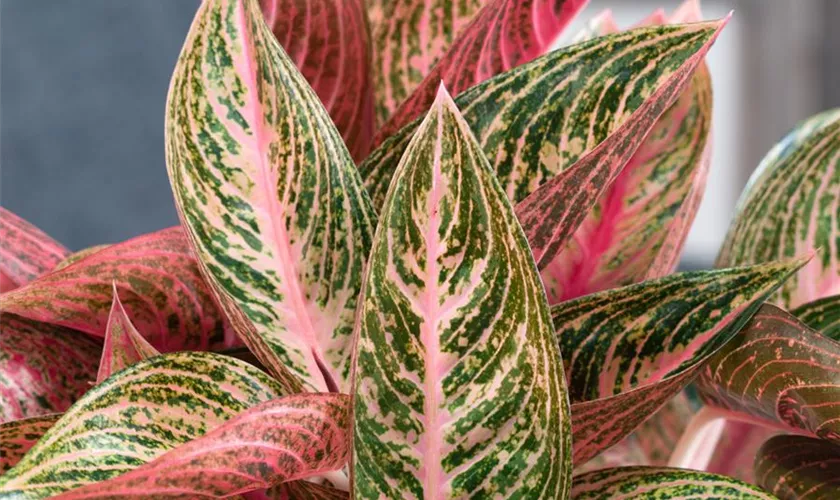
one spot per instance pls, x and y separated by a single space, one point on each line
791 205
124 346
271 200
628 351
799 468
458 388
822 315
136 416
158 280
26 252
18 436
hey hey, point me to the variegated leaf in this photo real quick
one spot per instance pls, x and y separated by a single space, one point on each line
409 36
270 197
290 438
124 346
136 416
822 315
799 468
458 388
26 252
329 41
628 351
780 372
792 205
18 436
43 368
503 35
77 256
660 483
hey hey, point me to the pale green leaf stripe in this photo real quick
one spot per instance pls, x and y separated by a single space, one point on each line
822 315
135 416
662 483
536 120
269 195
792 205
458 387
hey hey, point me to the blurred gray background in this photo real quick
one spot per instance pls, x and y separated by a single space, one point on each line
83 85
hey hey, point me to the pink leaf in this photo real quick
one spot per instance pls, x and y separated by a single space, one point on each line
26 252
687 12
19 436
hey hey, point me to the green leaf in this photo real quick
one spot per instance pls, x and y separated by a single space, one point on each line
629 350
458 388
799 468
271 200
822 315
791 205
660 483
136 416
18 436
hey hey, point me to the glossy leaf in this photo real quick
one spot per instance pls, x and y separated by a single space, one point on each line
778 371
271 199
458 389
136 416
628 351
26 252
799 468
124 346
159 282
18 436
791 205
822 315
43 368
77 256
503 35
329 42
649 483
289 438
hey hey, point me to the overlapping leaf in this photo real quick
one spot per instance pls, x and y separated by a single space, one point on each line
329 42
77 256
503 35
124 345
781 372
799 468
136 416
628 351
792 205
43 368
458 388
822 315
26 252
649 483
158 280
18 436
270 197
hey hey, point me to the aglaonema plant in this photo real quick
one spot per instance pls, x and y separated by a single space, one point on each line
478 307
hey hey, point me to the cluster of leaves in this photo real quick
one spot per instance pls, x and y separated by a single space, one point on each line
380 291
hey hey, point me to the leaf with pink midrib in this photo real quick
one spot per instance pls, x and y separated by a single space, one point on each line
124 345
26 252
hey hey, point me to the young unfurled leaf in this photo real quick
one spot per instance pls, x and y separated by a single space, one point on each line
409 36
655 483
779 371
158 280
629 350
18 436
823 315
26 252
790 206
503 35
272 202
290 438
124 345
136 416
458 388
799 468
329 42
43 368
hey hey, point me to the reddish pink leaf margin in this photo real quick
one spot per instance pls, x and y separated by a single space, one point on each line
124 345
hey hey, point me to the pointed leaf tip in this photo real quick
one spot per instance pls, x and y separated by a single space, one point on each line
124 346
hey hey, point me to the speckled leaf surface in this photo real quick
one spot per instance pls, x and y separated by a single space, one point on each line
18 436
158 280
272 202
503 35
124 346
77 256
661 483
799 468
26 252
329 42
458 387
823 315
778 371
43 368
136 416
791 205
628 351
